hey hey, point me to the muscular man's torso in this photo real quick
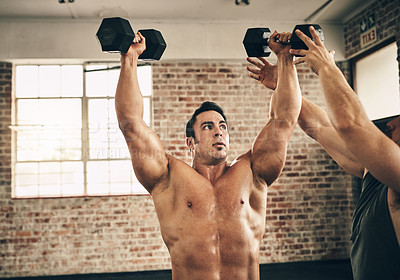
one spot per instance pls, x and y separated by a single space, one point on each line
212 231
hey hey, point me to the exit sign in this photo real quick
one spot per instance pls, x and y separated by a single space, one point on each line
368 31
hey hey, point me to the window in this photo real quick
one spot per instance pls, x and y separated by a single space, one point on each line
67 140
377 82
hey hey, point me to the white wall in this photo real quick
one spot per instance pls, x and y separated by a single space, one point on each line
75 39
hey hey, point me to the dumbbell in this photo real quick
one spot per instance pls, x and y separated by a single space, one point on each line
256 40
116 35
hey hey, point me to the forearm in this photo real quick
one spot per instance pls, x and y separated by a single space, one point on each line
286 100
312 118
128 98
343 106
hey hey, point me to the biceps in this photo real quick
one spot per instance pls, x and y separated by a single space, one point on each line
268 163
149 160
269 150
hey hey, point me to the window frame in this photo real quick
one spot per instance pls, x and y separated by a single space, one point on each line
85 158
356 58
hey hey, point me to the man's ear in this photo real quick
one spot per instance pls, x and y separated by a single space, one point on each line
190 142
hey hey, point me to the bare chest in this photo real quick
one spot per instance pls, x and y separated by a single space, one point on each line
230 195
191 200
206 225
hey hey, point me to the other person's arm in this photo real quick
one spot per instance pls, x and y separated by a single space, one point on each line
375 151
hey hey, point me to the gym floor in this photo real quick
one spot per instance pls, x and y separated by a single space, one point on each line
313 270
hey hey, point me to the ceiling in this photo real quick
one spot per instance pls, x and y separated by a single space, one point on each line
335 11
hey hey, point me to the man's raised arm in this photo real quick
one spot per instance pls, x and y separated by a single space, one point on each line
149 160
270 147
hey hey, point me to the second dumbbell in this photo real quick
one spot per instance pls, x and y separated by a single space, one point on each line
256 40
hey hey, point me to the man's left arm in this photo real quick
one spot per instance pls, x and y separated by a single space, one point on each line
270 146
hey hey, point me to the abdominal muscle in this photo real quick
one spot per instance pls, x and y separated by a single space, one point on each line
208 249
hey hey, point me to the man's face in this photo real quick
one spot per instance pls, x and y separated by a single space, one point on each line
394 130
211 142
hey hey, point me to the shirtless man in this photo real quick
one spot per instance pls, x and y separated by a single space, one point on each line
211 214
358 146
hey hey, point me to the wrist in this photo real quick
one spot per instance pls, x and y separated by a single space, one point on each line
285 61
285 58
327 69
128 60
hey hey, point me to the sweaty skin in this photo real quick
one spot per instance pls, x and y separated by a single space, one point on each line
212 231
212 224
211 214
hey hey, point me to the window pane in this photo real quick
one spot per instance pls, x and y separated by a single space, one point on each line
50 178
51 123
145 80
101 83
71 80
31 190
49 81
146 111
27 168
72 178
98 178
70 148
112 177
27 81
123 179
98 128
28 142
113 76
105 138
28 112
117 144
96 83
26 179
120 171
29 130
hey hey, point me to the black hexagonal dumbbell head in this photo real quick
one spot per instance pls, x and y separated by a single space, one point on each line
155 44
256 42
297 43
115 35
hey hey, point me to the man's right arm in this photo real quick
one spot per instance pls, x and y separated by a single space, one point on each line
315 122
149 159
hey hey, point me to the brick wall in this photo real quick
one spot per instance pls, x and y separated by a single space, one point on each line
309 207
5 121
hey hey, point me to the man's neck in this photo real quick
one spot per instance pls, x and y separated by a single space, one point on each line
211 171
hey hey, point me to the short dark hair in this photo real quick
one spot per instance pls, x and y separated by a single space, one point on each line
204 107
